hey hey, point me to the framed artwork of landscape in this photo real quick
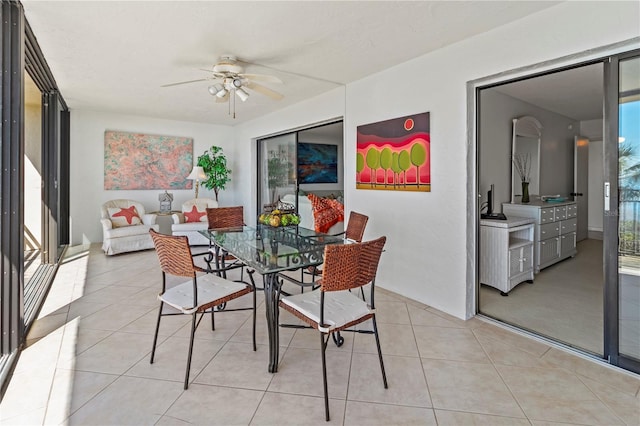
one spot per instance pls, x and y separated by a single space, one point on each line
317 163
394 154
141 161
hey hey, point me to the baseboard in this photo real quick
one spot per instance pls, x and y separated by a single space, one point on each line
594 235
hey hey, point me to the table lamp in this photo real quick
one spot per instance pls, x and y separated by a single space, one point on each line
197 174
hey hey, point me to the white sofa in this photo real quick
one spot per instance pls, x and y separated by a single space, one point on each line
190 229
306 213
120 237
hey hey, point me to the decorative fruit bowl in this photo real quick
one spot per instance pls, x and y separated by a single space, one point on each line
277 219
279 215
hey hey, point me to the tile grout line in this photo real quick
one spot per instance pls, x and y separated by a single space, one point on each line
504 382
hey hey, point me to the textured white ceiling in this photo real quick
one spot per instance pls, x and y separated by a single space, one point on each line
115 55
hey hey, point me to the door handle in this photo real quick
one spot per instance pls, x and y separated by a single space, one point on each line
607 196
576 194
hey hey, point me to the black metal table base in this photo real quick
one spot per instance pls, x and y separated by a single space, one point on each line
271 304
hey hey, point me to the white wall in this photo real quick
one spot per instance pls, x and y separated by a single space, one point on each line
592 129
426 252
87 165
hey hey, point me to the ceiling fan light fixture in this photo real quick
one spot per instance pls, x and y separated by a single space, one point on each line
237 83
242 94
217 90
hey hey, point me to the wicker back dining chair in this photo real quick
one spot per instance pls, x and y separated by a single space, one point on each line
333 308
224 218
198 295
354 232
355 226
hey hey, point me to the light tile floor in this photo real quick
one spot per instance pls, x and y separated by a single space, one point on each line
87 362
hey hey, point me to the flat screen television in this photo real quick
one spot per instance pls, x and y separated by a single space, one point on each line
317 163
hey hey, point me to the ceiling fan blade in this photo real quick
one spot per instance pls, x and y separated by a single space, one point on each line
264 90
213 73
186 82
262 77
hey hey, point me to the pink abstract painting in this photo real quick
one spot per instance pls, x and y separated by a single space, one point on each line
140 161
395 155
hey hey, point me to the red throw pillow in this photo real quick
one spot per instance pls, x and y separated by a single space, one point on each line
121 216
326 212
195 215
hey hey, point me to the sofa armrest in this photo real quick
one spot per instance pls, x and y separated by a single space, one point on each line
149 219
106 224
178 218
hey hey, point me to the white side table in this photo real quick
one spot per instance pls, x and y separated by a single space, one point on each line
164 221
506 252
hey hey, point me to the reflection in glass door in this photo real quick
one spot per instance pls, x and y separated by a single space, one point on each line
32 178
629 209
276 169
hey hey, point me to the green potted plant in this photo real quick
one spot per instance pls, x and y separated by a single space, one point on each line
214 164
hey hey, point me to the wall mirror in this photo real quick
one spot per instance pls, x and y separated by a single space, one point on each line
527 132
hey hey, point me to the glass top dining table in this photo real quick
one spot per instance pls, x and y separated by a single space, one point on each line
270 251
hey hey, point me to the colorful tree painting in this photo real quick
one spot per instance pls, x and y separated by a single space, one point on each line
395 154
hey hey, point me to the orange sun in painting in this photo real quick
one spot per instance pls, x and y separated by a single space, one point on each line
408 124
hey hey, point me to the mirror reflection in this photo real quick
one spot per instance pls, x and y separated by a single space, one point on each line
525 153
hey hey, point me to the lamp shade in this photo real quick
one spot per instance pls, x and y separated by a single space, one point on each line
218 90
197 174
242 94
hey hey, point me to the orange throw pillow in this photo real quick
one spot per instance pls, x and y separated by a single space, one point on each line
326 212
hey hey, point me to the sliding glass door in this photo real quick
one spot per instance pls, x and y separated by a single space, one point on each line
622 211
589 301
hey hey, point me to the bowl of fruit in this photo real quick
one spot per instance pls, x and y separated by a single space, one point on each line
278 218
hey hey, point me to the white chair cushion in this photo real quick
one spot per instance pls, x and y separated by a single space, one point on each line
127 231
190 226
210 288
340 307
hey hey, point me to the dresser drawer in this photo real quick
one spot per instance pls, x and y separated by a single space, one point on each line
548 230
560 212
547 215
572 211
567 226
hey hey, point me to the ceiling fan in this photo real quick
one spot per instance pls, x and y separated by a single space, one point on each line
229 80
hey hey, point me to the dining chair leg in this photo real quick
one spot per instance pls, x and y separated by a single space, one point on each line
155 336
375 332
213 321
323 349
254 318
193 333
